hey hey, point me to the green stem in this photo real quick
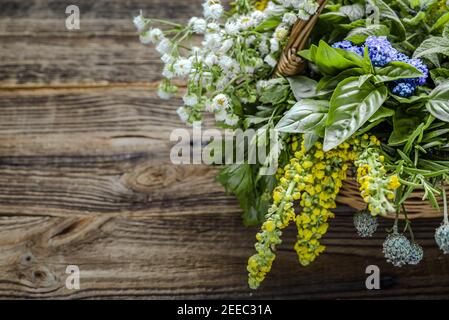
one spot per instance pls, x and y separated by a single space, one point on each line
443 194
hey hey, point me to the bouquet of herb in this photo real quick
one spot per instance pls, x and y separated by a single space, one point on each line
373 103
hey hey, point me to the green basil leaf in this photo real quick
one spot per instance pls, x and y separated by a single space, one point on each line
396 70
350 107
359 35
383 112
416 20
439 75
331 61
441 22
309 54
438 103
269 24
275 95
403 126
306 115
431 46
304 87
334 18
331 82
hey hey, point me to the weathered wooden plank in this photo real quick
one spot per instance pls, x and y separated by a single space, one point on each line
203 256
36 48
44 18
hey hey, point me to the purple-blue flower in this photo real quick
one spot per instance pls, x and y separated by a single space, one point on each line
418 64
380 50
403 89
348 46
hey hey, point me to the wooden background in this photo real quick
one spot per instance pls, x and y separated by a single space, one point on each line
85 179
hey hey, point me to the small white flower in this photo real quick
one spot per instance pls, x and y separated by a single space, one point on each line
182 67
145 38
213 27
296 3
167 58
156 35
285 3
198 25
183 114
211 60
165 46
209 106
220 115
263 47
221 83
228 64
163 93
231 119
227 44
274 45
258 16
303 15
190 100
232 28
246 22
281 33
289 18
220 102
273 9
139 23
212 41
212 11
272 62
310 7
168 71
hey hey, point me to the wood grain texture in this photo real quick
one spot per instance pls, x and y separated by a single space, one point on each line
85 179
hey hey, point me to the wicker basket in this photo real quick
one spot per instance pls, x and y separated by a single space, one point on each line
291 64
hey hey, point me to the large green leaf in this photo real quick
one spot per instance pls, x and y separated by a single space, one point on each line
359 35
438 103
350 107
306 115
432 46
397 70
331 61
304 87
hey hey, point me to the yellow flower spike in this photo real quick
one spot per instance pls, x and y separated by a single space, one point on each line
261 5
319 154
307 164
269 225
295 146
394 183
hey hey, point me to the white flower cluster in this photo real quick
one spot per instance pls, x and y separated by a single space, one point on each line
235 54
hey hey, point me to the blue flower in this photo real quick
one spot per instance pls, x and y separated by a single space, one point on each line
403 89
418 64
348 46
380 50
